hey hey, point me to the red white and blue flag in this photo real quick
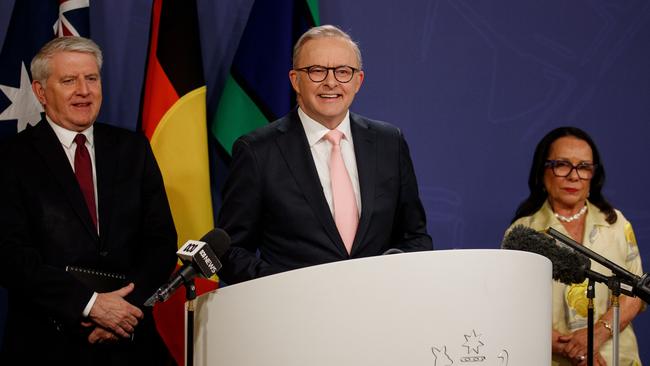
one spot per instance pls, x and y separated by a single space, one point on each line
32 24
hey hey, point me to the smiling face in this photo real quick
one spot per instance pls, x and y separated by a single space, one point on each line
568 193
327 101
72 94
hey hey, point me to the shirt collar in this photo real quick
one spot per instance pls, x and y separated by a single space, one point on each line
595 216
67 137
315 131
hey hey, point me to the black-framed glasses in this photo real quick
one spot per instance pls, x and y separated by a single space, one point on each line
563 168
318 73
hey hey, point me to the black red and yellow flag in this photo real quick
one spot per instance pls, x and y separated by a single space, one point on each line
174 120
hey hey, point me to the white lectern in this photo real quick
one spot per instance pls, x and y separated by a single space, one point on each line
460 307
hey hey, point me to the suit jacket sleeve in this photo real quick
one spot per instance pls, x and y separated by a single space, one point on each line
240 216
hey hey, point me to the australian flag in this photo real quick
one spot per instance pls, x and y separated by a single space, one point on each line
32 24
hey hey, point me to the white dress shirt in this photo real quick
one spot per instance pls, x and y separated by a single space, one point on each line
321 150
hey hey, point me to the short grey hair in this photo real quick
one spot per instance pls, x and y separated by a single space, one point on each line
324 31
40 66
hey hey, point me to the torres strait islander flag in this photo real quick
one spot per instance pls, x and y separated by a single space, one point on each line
174 120
33 23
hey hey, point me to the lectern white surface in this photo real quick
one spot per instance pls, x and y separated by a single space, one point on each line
460 307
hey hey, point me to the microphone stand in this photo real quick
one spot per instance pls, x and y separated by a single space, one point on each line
190 296
615 285
629 283
620 282
591 293
616 293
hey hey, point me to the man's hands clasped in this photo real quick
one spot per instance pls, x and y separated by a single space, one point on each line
111 317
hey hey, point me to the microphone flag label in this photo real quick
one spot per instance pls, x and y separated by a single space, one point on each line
207 265
189 250
201 255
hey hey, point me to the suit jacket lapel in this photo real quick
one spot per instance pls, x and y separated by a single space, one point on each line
366 156
293 145
105 169
49 147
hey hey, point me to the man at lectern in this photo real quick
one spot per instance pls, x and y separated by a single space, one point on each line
321 184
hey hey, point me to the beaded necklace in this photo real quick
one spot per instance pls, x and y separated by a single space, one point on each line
572 217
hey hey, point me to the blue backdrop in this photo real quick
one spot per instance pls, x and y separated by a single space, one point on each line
476 84
473 84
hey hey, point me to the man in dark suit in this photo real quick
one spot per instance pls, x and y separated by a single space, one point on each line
298 196
76 193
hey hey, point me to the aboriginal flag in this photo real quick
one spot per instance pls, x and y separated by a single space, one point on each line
174 120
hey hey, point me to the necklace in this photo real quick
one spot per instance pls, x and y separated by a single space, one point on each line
573 217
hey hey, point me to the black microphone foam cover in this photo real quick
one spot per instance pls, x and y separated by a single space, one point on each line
568 266
218 240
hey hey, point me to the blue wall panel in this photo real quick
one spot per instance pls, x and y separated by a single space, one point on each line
476 84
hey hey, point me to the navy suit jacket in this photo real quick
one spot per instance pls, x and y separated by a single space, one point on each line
274 206
45 226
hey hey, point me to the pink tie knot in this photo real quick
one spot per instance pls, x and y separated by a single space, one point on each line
334 137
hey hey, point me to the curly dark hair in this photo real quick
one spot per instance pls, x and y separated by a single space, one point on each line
538 192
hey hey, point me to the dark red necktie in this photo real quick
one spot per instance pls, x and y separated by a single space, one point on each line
83 169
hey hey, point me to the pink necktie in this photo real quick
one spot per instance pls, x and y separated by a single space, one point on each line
346 213
83 169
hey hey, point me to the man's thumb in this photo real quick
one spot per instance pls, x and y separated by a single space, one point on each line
125 290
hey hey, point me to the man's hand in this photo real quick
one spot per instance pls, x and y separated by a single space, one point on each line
116 315
99 334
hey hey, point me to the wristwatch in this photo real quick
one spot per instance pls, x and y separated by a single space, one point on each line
607 326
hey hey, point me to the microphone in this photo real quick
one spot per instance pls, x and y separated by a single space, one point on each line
200 258
392 251
568 266
640 285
